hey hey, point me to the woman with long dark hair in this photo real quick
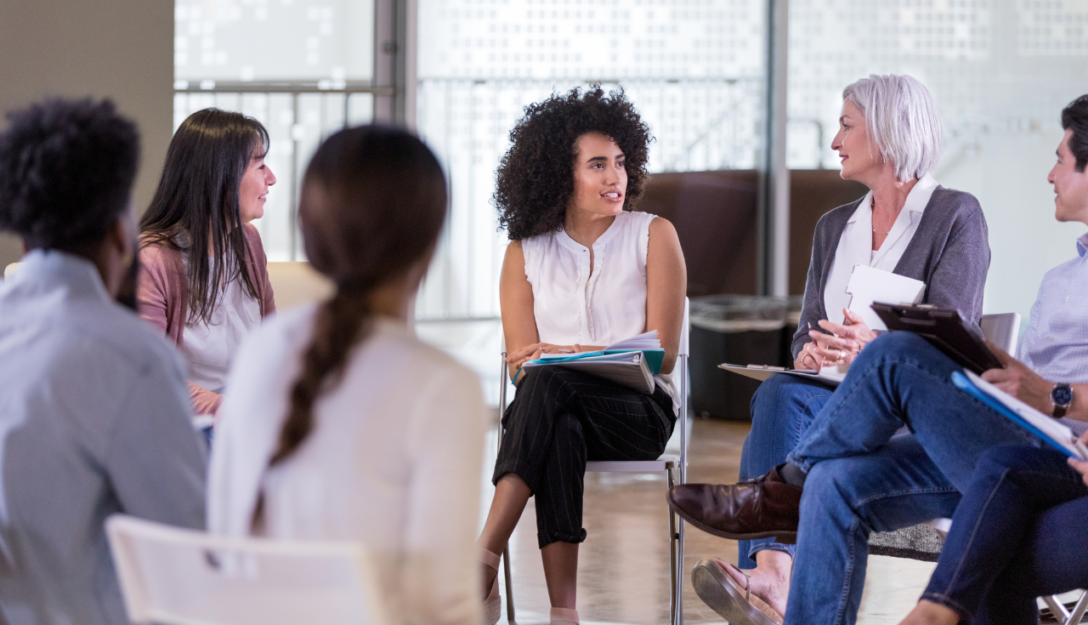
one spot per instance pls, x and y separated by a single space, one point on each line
338 423
582 271
204 277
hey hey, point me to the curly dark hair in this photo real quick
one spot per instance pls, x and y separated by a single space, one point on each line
536 177
66 172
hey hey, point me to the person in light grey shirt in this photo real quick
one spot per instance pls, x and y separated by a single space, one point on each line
94 412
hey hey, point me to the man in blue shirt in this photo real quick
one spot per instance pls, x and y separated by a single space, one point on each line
851 475
94 413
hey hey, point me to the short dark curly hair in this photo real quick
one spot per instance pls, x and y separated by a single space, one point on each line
66 172
1075 118
536 177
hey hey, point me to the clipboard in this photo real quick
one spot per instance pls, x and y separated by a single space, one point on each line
944 329
831 376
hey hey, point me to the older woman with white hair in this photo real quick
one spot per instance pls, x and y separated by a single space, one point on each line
889 140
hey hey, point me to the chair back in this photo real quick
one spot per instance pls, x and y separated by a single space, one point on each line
297 283
173 576
1002 329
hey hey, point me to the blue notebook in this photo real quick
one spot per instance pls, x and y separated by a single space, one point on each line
1051 431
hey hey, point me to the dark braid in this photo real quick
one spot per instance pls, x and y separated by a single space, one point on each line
340 324
372 204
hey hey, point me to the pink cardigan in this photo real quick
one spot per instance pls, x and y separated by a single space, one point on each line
162 297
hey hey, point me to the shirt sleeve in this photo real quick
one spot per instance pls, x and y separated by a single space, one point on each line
440 576
151 290
155 459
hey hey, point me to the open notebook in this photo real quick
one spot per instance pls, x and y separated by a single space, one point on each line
631 362
1053 432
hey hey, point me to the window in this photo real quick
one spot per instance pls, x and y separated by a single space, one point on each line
304 68
1000 72
694 68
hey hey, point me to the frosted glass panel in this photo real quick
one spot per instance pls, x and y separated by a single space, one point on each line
1001 71
694 69
274 40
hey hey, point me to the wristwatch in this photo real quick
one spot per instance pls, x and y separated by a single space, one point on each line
1061 396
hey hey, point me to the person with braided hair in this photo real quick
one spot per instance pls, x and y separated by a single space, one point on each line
581 270
337 423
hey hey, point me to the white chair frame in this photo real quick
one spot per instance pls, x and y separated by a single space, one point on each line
1063 614
674 467
175 576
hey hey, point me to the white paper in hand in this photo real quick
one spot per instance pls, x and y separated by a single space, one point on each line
868 285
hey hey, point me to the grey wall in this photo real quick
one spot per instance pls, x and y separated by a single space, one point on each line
123 49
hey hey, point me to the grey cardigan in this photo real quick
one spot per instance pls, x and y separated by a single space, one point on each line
950 252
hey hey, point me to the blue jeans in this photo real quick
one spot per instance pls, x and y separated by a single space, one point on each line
1017 534
782 409
862 478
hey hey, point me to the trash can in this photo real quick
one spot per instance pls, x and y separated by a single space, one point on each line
793 319
737 329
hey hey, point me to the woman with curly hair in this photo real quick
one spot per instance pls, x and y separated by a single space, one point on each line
582 271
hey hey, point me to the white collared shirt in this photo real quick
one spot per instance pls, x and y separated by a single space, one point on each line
856 244
598 305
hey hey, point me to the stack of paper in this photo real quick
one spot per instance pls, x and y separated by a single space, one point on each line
868 285
632 362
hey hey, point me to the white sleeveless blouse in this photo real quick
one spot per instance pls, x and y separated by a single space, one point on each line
572 305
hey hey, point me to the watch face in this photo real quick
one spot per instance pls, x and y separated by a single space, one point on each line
1062 395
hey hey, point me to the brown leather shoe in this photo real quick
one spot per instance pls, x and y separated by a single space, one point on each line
765 507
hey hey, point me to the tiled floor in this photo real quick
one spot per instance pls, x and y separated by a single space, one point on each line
623 568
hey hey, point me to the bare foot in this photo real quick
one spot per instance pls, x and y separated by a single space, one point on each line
769 586
929 613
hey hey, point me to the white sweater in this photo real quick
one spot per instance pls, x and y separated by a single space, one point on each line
394 462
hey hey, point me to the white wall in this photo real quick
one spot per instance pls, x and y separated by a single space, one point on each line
122 49
1007 173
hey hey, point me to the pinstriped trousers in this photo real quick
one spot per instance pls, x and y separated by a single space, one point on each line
561 419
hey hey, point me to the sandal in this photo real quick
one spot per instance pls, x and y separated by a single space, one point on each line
737 605
492 602
563 616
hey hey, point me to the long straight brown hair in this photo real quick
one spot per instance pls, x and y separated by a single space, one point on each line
196 208
373 203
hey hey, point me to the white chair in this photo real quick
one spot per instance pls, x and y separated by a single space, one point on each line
673 466
295 283
172 576
1062 614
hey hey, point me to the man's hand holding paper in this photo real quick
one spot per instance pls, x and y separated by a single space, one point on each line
1018 380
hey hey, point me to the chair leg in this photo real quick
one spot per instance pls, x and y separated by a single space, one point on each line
1057 610
673 568
1078 610
678 619
509 585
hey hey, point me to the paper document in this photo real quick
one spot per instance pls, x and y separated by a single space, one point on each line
631 362
1052 431
829 375
868 285
630 369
